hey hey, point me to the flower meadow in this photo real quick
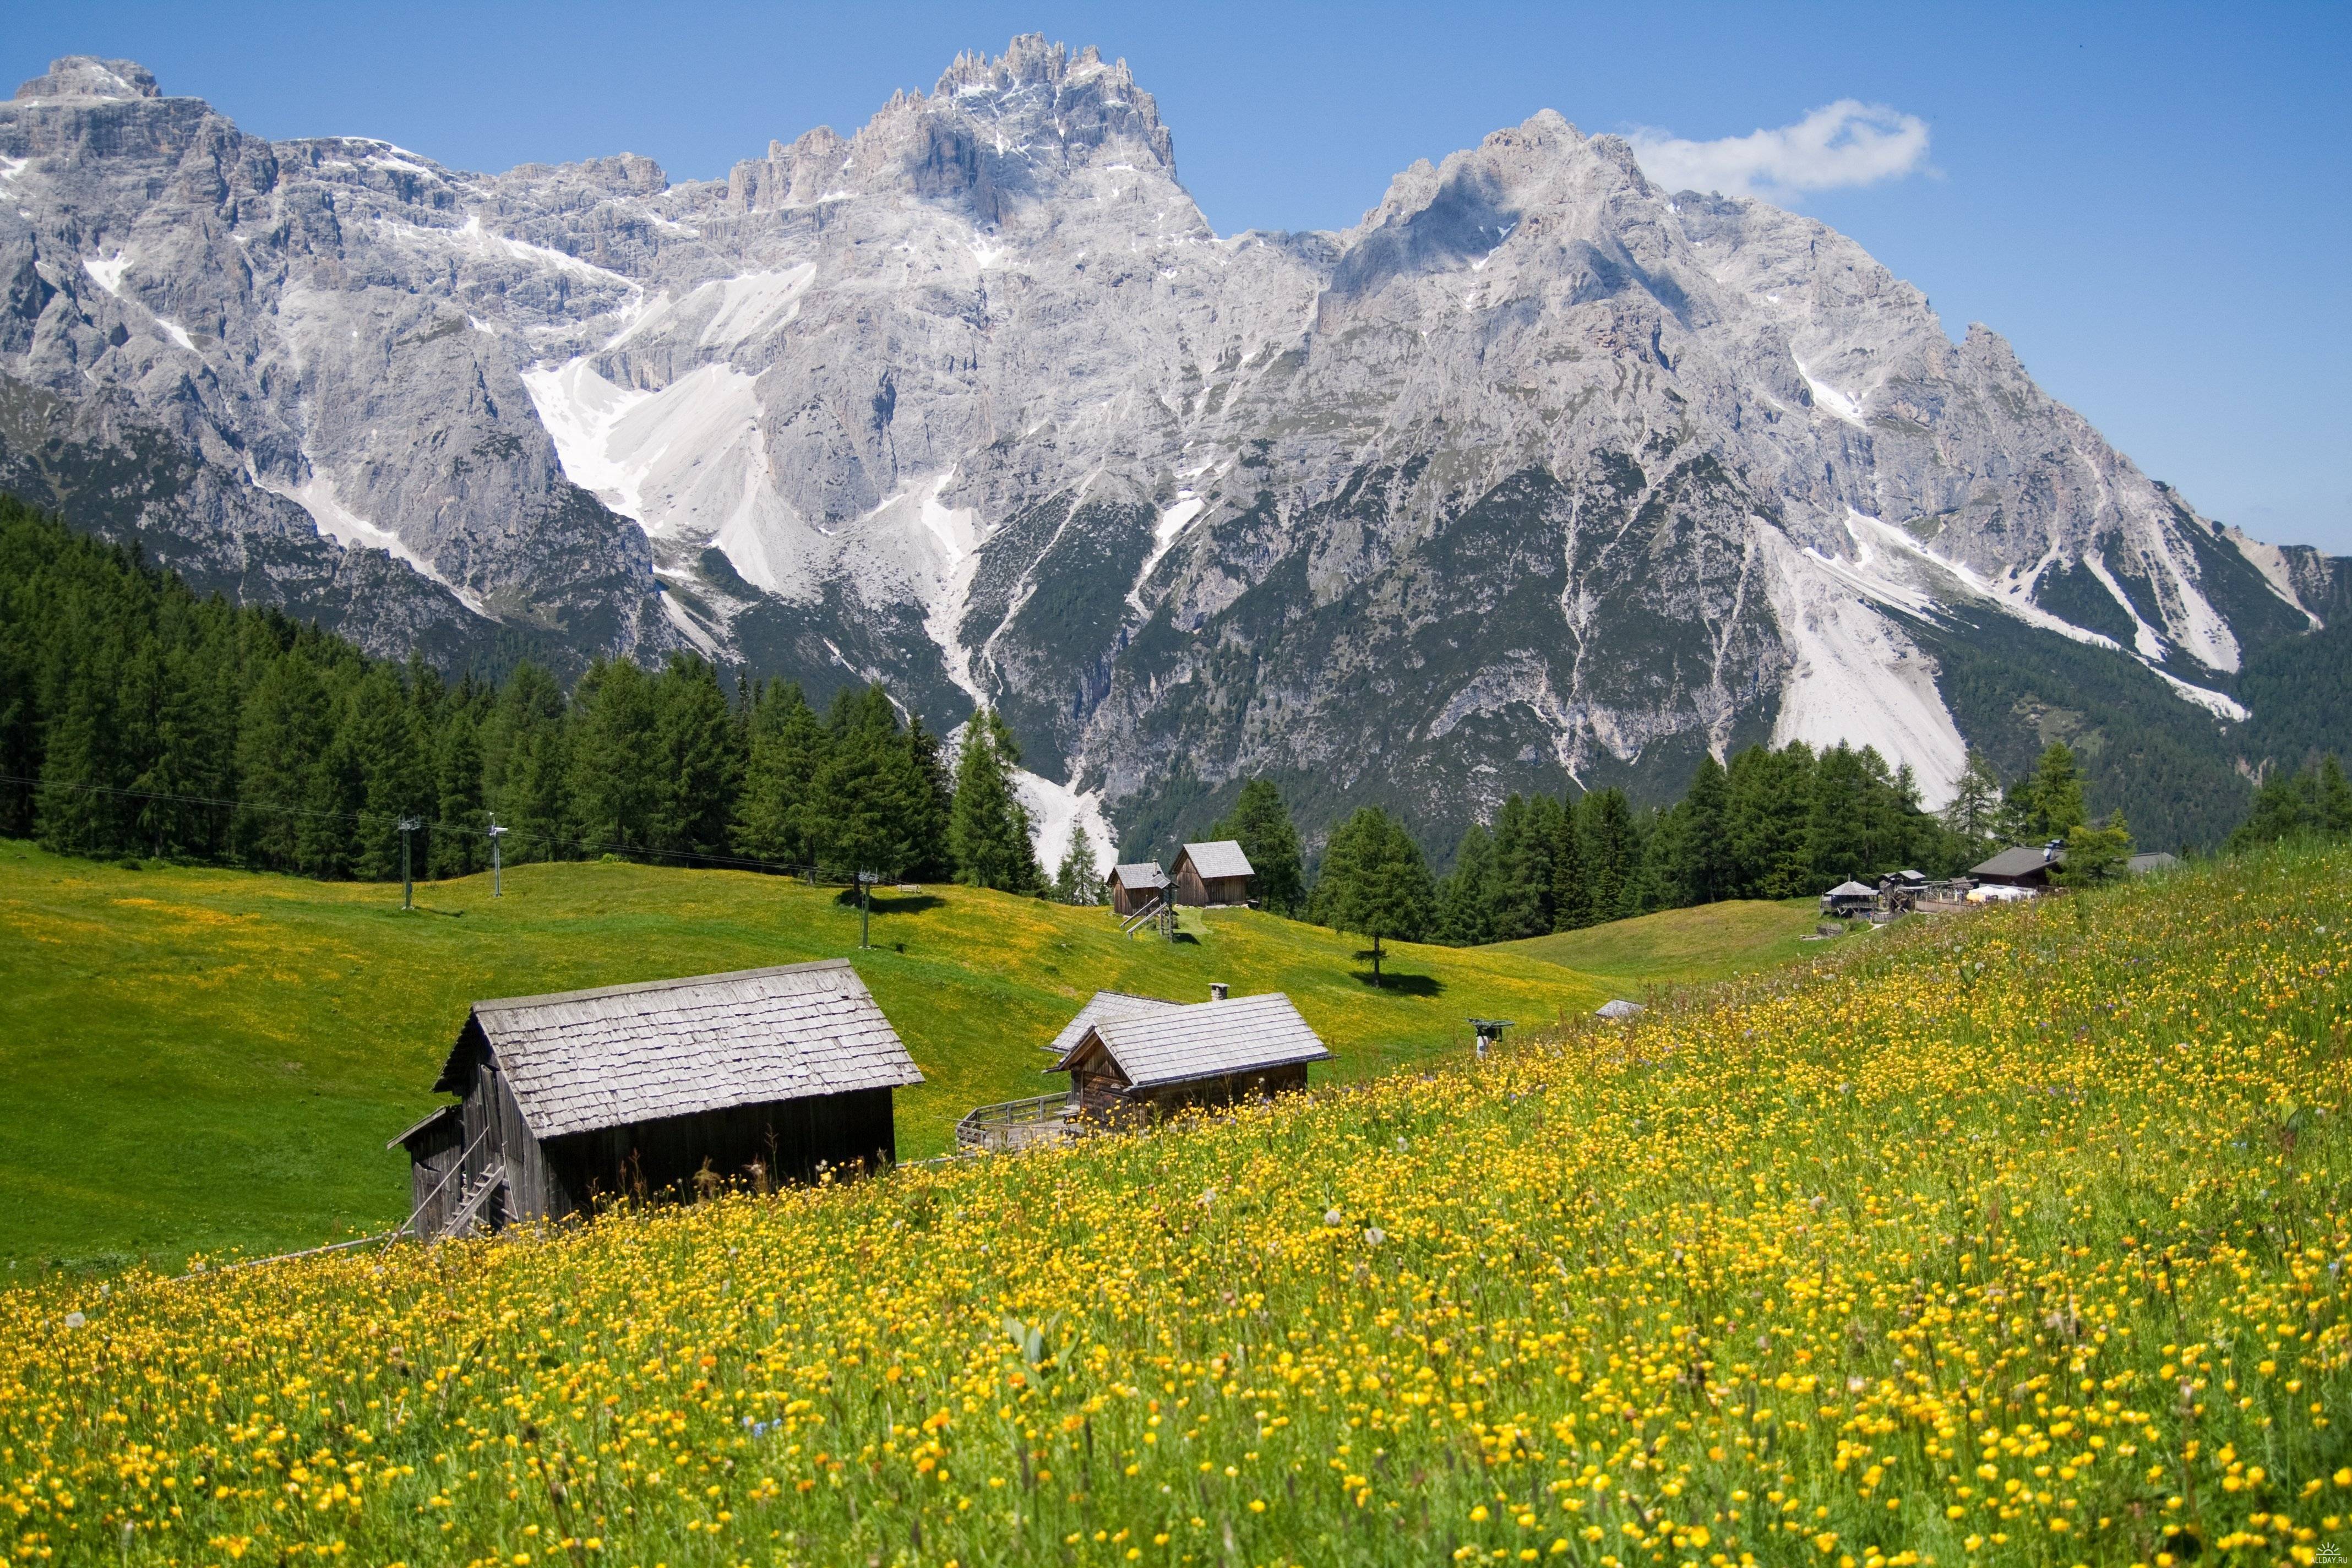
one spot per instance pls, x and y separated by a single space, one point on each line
2016 1238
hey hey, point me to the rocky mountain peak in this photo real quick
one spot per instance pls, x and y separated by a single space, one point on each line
992 132
87 76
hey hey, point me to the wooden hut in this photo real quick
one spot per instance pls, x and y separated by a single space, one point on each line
1134 887
2024 868
1131 1065
1849 898
1104 1005
1212 874
650 1088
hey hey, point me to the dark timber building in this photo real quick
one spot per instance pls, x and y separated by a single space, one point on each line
1136 887
1213 874
1133 1057
765 1074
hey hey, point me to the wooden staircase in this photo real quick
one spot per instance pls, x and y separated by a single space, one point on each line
472 1199
1158 911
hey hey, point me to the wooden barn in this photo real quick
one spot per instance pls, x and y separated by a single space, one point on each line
761 1075
2024 868
1134 887
1135 1062
1213 875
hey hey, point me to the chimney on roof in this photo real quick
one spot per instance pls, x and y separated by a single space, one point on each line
1217 990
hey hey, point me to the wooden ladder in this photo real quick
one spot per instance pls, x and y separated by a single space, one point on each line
472 1201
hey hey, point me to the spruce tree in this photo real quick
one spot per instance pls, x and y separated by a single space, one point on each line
1260 823
1612 853
2057 791
284 729
1524 834
1699 842
381 731
931 801
460 848
1079 878
988 830
1571 886
617 761
1379 883
777 812
1465 897
700 768
1973 811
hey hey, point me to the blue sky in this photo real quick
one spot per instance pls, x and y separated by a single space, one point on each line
2150 202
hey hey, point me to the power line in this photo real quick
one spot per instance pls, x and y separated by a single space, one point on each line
388 821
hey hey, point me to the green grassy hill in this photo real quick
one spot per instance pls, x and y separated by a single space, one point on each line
1713 941
200 1059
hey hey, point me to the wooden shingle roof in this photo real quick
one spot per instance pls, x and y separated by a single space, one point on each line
580 1060
1136 874
1218 858
2019 862
1205 1040
1104 1004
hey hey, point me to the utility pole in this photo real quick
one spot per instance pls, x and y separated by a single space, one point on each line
497 833
408 824
864 888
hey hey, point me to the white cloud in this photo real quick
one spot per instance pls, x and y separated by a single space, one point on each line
1848 143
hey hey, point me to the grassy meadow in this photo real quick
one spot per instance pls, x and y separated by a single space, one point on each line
203 1059
1712 941
2020 1238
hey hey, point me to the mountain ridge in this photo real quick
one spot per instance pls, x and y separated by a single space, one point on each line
1537 475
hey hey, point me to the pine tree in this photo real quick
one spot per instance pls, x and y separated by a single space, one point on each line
460 848
2057 791
2096 855
777 811
382 733
283 730
1612 853
617 783
1769 806
1260 823
1465 897
2335 798
930 804
1379 883
1699 843
1974 809
1524 837
1079 878
988 830
1571 888
701 769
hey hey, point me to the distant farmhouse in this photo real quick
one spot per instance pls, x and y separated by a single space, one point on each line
2024 868
641 1088
1140 1056
1217 874
1136 887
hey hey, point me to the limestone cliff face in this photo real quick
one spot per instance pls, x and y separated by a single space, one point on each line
1539 472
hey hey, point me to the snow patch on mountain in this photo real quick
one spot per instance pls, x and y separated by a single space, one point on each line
1054 810
2145 640
2220 706
1828 398
107 271
724 312
317 495
1854 676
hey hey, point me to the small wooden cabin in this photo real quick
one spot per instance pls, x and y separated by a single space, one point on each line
1134 886
1212 875
642 1089
1135 1063
2024 868
1104 1005
1849 898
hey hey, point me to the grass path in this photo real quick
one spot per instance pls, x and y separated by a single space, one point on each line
201 1059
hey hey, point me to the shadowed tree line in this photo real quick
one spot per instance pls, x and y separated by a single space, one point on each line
149 721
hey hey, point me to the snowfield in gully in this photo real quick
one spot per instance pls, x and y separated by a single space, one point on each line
2015 1239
